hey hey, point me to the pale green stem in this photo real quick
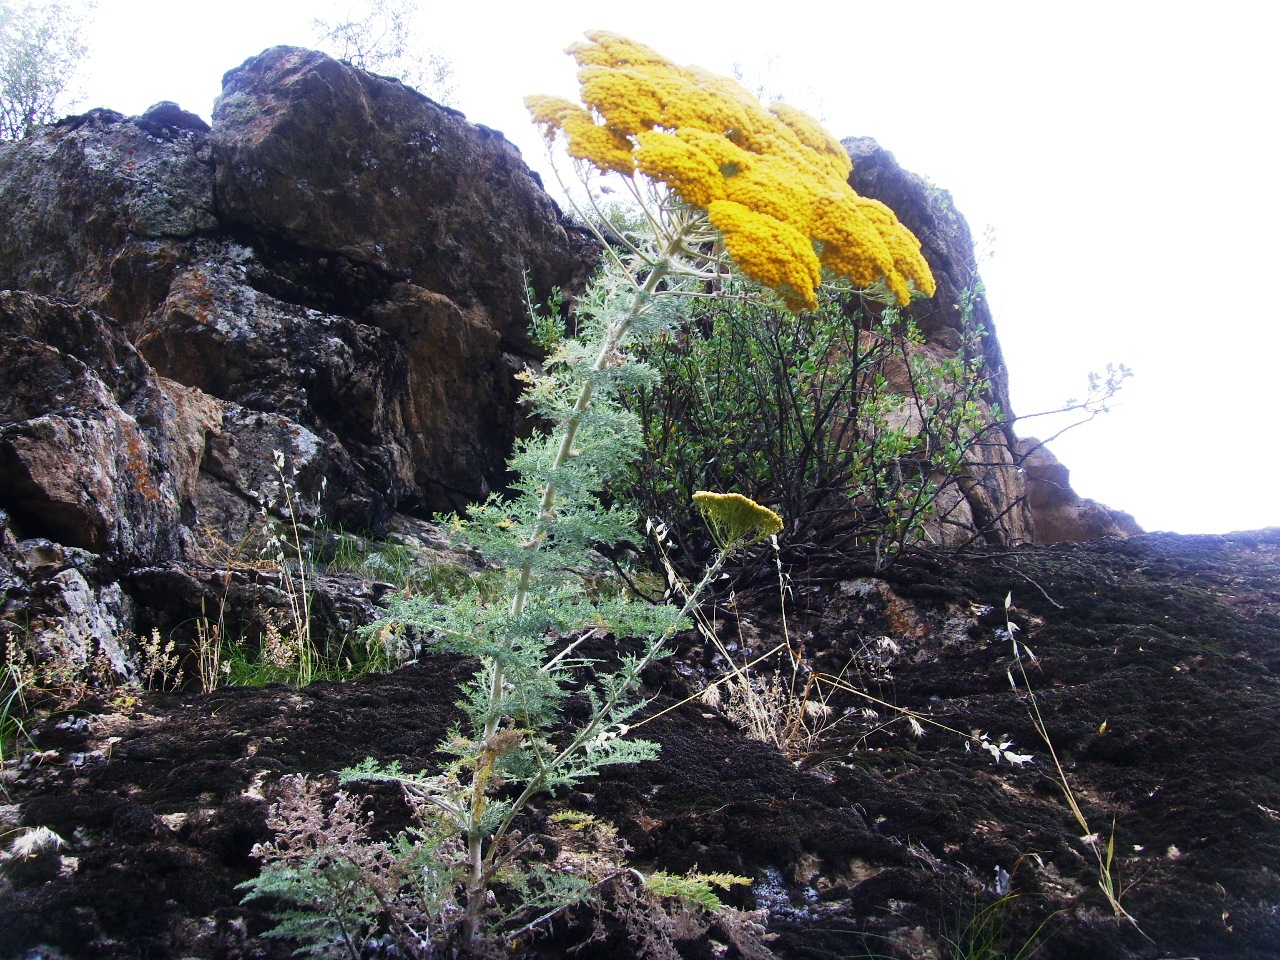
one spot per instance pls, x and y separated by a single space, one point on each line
608 350
591 730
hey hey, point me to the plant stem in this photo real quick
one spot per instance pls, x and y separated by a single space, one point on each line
614 336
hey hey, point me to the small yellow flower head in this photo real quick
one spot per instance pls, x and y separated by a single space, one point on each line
549 111
773 182
735 520
731 160
767 188
908 263
631 99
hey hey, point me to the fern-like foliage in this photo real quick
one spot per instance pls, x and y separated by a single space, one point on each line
544 533
694 888
339 890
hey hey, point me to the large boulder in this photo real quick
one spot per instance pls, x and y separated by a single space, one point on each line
324 159
324 295
362 197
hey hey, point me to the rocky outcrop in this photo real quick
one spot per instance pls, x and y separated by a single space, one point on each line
325 291
1061 514
993 497
326 288
317 157
338 251
323 295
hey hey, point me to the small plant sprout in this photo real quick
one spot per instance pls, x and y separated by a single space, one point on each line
159 661
1104 854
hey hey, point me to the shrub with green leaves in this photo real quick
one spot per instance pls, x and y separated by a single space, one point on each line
841 417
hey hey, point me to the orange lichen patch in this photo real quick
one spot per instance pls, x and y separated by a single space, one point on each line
138 465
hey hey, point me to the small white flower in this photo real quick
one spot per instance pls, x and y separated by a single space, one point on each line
34 842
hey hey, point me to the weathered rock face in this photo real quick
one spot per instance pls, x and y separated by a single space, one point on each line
328 159
947 245
88 438
331 278
97 205
361 274
1061 514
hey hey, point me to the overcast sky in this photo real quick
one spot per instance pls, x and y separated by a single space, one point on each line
1122 153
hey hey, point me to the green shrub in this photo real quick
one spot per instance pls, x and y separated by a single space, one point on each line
840 417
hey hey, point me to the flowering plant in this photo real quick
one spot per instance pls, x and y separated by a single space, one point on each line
721 183
771 182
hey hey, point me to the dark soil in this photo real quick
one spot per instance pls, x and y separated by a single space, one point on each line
871 842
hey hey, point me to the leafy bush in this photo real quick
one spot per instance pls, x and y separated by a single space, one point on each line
41 48
841 417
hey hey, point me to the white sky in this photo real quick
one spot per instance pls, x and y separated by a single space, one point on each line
1124 153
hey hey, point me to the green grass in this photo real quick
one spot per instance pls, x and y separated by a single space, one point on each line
986 935
13 708
405 567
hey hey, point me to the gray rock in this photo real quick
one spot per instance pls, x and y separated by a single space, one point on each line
87 454
354 302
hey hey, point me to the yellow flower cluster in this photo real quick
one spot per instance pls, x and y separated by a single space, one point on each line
735 520
773 181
